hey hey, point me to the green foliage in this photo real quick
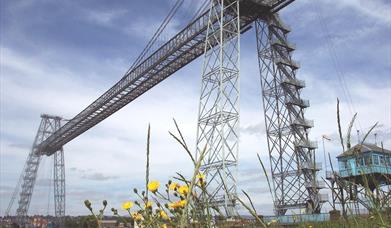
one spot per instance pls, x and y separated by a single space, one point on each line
379 216
81 222
182 202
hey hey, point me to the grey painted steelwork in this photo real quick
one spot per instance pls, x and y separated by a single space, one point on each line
59 186
291 153
354 198
49 124
218 118
183 48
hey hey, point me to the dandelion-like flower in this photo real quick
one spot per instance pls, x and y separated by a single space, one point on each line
127 205
178 204
164 226
182 203
164 215
200 177
153 186
137 216
183 190
174 186
148 204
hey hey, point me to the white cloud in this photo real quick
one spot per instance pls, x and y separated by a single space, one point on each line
114 150
377 9
104 17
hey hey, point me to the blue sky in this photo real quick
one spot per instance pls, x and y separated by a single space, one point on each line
56 57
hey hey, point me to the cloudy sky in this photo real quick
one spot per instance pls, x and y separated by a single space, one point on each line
59 56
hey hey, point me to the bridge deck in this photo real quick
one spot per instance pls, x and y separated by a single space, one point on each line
179 51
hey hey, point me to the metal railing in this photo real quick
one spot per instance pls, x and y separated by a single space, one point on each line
298 218
307 144
291 63
294 81
331 174
311 165
316 184
298 102
279 24
283 44
364 170
303 122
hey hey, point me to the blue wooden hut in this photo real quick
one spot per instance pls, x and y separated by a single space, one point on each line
366 164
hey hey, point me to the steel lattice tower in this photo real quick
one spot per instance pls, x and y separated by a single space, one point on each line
48 125
216 34
218 119
59 186
291 153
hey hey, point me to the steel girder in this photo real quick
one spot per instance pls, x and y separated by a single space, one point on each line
176 53
49 124
179 51
59 186
353 198
183 48
218 118
291 153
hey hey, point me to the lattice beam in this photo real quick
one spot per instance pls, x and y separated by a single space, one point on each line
291 153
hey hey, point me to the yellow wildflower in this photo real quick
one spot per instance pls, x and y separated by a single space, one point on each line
137 216
148 204
272 222
182 203
172 205
178 204
164 226
127 205
183 190
164 215
153 186
200 177
174 186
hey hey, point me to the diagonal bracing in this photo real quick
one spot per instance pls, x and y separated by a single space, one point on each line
218 118
291 153
48 125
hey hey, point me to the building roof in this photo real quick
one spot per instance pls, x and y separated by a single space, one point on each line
362 148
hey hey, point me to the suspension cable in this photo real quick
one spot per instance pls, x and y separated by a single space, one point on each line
157 34
335 62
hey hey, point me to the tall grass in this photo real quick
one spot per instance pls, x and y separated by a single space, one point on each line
184 202
378 207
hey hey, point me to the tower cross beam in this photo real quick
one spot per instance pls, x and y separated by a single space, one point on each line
216 34
183 48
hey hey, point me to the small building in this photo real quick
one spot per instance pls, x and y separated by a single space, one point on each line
39 222
366 164
108 223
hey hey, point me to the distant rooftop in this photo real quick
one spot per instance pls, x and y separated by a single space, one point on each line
362 148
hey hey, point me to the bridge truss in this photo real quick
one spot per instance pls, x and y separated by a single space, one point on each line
292 154
216 34
49 125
